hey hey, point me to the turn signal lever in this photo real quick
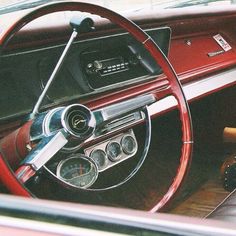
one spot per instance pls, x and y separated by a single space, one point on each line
79 25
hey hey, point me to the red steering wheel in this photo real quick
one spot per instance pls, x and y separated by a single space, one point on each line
175 89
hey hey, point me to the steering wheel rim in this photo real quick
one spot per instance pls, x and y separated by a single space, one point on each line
175 87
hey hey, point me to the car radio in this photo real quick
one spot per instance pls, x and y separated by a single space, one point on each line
120 59
108 66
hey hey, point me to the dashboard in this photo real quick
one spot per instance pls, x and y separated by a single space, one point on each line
106 70
92 66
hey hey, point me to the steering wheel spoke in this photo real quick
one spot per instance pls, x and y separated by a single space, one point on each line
39 156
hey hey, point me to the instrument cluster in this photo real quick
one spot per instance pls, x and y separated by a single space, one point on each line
82 170
113 151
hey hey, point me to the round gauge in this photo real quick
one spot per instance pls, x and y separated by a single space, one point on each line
128 144
78 171
113 150
99 157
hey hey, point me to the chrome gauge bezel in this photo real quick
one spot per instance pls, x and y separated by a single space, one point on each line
77 156
124 149
103 146
105 158
110 153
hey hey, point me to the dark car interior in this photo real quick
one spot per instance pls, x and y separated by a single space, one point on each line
138 115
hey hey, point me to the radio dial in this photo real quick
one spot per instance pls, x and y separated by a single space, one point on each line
93 68
97 65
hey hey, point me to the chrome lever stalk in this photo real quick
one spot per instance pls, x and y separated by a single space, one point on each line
54 73
78 25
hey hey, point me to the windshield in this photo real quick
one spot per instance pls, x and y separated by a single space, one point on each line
117 5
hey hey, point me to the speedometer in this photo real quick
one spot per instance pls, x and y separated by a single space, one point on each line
78 171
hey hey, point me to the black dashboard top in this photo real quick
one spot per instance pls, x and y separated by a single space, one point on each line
92 66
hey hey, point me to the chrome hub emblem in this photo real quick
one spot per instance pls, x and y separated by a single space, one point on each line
78 122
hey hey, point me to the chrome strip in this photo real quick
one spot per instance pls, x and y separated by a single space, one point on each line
118 109
187 142
148 38
196 89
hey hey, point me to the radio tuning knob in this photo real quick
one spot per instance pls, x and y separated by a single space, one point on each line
90 65
97 65
90 68
94 67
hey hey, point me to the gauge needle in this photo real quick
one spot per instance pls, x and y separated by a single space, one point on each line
80 170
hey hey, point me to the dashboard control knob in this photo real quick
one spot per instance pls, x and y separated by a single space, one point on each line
93 68
90 66
97 65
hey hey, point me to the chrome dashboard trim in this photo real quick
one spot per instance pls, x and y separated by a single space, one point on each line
122 108
103 145
121 123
